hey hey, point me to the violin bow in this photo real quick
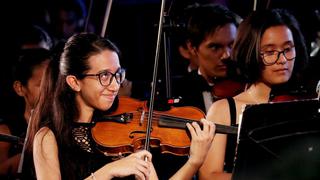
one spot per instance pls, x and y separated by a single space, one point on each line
20 166
167 48
88 16
10 138
154 78
255 3
106 18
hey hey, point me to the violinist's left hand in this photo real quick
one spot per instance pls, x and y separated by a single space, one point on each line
201 140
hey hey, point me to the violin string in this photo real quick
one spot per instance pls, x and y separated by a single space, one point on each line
158 116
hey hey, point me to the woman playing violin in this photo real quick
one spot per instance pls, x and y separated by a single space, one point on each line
270 50
87 79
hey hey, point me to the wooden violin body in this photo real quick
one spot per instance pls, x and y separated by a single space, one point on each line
281 94
227 88
124 131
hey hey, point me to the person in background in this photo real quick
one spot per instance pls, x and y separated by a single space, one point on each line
270 51
84 82
210 33
311 74
27 74
29 36
34 36
181 34
68 18
205 39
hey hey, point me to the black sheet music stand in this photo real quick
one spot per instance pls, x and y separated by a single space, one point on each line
279 141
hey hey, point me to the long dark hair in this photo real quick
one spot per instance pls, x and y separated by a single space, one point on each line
57 108
246 50
22 71
28 60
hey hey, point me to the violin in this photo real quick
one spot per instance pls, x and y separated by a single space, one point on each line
124 130
231 85
11 139
227 88
284 93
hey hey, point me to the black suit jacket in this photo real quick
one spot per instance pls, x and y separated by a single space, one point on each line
190 88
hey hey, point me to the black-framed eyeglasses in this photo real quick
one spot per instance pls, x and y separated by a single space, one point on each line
106 77
271 57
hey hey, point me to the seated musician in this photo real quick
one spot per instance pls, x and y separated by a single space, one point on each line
85 80
270 50
27 73
210 33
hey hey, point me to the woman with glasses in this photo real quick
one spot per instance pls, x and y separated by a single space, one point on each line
270 51
86 80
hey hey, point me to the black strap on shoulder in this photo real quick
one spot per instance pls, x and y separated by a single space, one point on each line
231 138
233 111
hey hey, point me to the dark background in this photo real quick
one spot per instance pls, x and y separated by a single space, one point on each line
133 27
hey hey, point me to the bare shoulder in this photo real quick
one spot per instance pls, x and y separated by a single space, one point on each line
218 106
45 155
44 134
218 112
45 141
241 100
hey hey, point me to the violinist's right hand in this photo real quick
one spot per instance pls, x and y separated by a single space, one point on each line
134 164
201 140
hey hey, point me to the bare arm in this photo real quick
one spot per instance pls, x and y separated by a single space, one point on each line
46 160
130 165
45 155
200 144
212 167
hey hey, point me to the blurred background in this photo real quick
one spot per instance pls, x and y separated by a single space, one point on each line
132 25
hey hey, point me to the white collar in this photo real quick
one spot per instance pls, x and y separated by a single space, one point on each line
199 73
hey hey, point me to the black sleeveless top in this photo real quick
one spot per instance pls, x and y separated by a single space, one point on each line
231 138
78 159
84 156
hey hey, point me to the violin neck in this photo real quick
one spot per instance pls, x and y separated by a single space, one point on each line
176 122
223 129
